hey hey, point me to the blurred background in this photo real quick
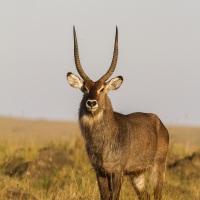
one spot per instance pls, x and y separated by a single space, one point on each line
159 47
42 153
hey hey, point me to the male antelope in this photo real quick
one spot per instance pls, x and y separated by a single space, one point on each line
119 144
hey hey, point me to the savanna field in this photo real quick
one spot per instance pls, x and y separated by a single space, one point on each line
46 160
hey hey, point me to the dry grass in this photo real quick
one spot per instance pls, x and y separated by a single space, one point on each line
46 160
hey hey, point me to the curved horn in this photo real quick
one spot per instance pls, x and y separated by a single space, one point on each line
77 59
114 60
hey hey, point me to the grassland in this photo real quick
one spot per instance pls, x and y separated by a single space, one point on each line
46 160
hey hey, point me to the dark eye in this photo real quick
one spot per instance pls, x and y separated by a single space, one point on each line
85 89
102 90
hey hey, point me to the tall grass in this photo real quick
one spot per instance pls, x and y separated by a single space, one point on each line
47 160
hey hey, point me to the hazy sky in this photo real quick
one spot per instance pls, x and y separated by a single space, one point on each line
159 56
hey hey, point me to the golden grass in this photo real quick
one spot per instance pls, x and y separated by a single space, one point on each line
46 160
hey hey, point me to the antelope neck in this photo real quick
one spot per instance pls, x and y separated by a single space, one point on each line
104 117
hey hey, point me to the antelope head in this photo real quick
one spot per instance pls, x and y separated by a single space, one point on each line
95 93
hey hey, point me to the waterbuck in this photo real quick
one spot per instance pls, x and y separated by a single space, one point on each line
119 144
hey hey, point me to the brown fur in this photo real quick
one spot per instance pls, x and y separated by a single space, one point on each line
119 144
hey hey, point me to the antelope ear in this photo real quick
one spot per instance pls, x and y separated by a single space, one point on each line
114 83
74 80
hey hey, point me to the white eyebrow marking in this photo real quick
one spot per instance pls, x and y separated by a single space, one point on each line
84 87
100 89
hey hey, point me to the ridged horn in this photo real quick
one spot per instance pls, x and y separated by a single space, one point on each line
110 71
77 59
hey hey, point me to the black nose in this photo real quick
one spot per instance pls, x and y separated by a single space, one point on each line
91 103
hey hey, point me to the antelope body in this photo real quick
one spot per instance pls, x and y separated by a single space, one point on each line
119 144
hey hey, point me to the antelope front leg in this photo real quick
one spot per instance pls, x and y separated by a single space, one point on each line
109 186
114 181
103 186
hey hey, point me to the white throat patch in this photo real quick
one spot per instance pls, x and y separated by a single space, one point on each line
89 120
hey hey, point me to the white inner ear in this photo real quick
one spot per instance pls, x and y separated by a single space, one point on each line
74 81
114 83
